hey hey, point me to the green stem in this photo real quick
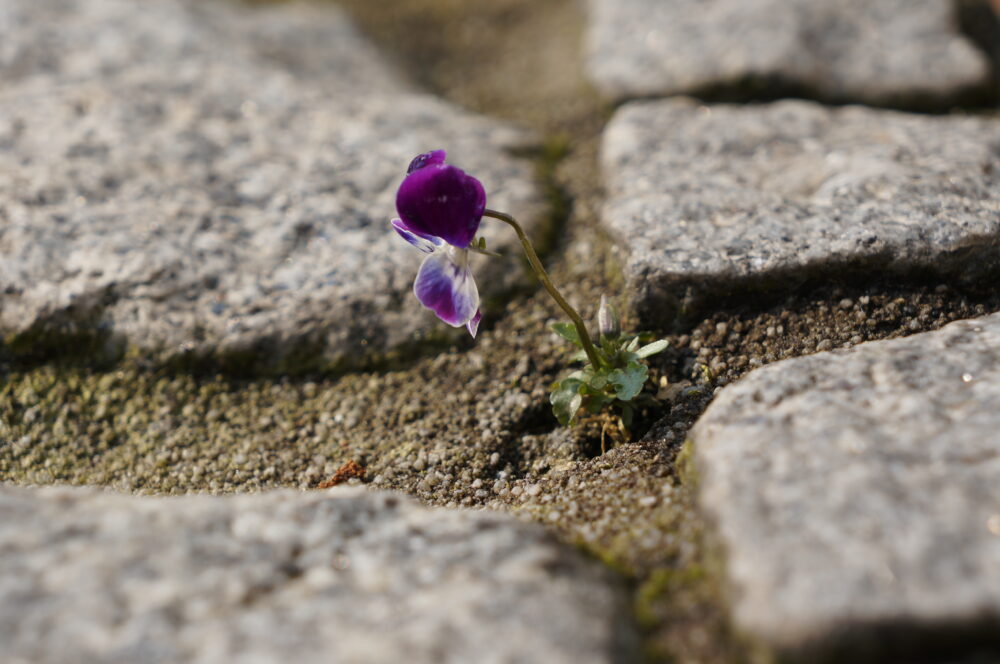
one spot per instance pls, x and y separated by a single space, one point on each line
543 276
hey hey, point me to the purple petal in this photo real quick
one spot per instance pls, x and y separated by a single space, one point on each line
473 324
445 285
425 243
442 201
426 159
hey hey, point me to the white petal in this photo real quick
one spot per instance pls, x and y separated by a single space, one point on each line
445 285
425 243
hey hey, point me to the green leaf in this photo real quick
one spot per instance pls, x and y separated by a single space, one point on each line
632 345
566 400
579 356
480 248
596 402
653 348
627 414
628 382
598 381
567 331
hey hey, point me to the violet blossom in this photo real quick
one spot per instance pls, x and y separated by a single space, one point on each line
440 208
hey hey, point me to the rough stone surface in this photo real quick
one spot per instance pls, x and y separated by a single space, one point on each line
706 201
199 178
346 576
855 493
853 50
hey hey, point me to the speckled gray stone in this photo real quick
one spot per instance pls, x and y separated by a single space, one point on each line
908 51
205 178
707 201
856 495
342 576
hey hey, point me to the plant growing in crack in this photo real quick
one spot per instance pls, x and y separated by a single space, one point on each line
440 209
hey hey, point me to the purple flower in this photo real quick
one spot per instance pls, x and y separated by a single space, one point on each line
439 209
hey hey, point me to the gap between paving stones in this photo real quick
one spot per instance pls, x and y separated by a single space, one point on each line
145 431
677 599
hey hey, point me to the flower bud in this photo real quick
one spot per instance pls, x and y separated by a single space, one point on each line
607 320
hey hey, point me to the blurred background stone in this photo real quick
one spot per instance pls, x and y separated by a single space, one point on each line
886 52
345 576
206 180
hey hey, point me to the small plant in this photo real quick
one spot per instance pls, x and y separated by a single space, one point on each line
440 209
615 380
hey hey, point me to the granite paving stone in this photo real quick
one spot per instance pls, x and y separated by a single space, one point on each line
346 575
855 496
194 178
708 201
890 51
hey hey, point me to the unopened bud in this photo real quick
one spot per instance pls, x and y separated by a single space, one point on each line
607 320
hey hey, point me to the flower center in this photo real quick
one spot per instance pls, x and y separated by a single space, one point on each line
458 256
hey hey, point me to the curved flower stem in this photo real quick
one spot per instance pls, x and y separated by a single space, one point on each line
536 265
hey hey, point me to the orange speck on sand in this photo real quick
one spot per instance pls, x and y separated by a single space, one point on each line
349 470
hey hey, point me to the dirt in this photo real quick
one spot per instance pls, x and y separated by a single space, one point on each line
470 425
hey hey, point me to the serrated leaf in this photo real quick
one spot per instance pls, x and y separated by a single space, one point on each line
568 332
628 382
566 400
653 348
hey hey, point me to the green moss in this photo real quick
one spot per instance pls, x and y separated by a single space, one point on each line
82 343
687 470
659 586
